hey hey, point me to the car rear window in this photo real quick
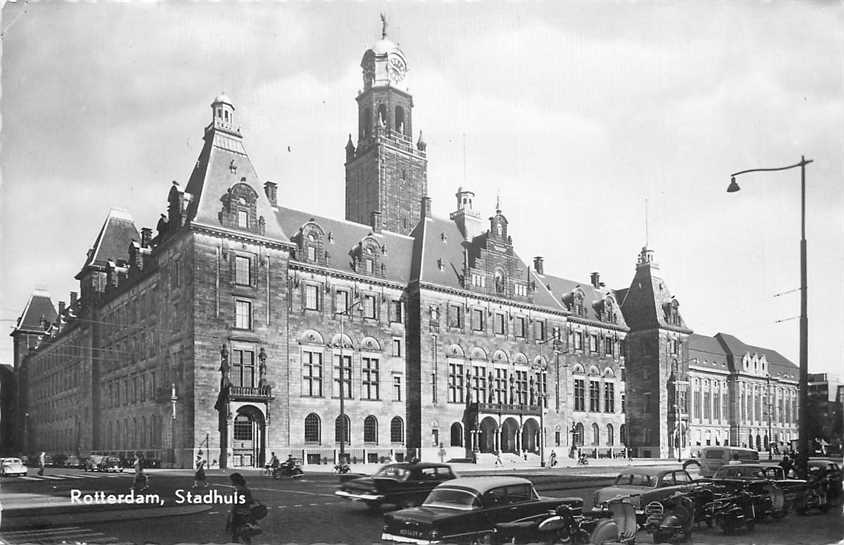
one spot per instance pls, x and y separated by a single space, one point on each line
393 472
713 454
452 498
635 479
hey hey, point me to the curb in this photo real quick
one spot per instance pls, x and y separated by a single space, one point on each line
17 519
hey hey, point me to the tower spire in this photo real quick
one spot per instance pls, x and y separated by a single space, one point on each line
383 26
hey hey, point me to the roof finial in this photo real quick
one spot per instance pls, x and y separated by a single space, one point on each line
498 202
383 26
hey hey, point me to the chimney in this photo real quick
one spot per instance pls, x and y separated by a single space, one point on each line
426 206
595 279
146 237
538 265
375 221
61 308
271 189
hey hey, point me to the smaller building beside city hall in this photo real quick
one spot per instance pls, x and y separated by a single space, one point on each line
240 327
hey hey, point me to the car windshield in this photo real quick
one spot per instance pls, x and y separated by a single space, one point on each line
452 498
398 473
10 461
636 479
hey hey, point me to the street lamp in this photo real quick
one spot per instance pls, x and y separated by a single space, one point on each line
769 409
540 368
803 441
343 313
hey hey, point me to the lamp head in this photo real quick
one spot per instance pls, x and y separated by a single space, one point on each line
733 187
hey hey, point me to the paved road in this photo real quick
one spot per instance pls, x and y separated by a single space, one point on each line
306 511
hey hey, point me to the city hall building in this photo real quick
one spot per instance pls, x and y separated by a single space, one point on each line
240 327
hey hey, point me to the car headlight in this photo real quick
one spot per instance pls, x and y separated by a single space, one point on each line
435 534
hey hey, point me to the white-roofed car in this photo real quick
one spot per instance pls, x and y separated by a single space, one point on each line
11 467
466 510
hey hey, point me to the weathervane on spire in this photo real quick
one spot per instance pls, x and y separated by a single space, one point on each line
383 26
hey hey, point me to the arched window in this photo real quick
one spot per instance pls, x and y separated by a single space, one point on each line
366 121
382 115
596 434
312 428
622 432
610 435
341 429
396 430
399 126
370 429
578 435
456 435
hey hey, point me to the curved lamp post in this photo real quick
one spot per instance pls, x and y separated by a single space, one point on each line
803 442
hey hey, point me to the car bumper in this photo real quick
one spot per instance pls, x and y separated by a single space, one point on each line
360 497
405 539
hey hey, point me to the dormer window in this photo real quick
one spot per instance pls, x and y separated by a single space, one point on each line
242 219
312 254
239 209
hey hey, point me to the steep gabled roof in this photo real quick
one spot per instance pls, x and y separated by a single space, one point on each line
223 163
345 236
707 351
645 301
778 365
113 240
39 307
562 287
438 256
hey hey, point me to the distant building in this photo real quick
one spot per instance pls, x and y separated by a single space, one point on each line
243 326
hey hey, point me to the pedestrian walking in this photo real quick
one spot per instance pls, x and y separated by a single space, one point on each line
241 521
141 481
552 460
498 461
42 461
199 477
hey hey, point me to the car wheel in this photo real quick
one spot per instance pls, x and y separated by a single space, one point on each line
484 539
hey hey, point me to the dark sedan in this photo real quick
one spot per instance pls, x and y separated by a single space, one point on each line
760 476
402 485
467 510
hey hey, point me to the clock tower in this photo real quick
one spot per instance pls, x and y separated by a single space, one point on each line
386 172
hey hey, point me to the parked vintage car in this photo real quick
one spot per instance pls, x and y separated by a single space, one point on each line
11 466
466 510
643 485
402 485
764 473
74 461
830 472
103 463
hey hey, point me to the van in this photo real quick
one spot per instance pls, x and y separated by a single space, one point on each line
712 458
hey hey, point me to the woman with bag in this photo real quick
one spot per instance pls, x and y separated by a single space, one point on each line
242 521
199 477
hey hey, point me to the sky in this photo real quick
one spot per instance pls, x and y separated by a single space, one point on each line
603 126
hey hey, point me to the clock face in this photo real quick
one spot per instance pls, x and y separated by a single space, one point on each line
397 69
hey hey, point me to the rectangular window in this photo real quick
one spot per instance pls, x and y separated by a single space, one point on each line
397 348
311 297
593 344
369 306
608 345
500 385
520 327
696 414
396 387
368 266
243 368
499 324
243 314
477 319
455 316
312 254
521 387
242 219
539 330
623 407
707 405
455 383
478 384
609 397
312 374
578 340
594 396
343 370
579 395
242 270
176 274
369 378
395 311
341 302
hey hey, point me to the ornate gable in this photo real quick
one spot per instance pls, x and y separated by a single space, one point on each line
310 243
367 257
239 209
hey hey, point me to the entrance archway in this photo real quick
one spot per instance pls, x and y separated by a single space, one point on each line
487 433
530 436
509 430
249 438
